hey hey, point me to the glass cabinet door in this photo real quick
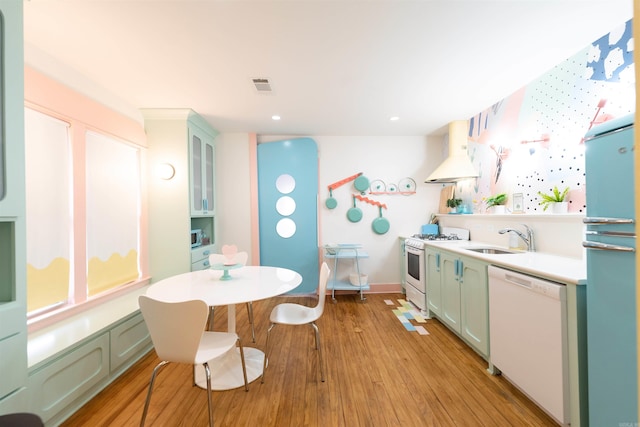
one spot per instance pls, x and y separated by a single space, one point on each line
196 174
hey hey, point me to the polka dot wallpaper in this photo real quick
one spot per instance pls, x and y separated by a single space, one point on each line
532 141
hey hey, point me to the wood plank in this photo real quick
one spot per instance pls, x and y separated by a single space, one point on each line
378 374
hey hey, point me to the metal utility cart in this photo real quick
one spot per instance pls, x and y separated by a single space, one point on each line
351 252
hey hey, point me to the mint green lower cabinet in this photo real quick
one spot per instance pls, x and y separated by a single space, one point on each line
13 357
60 385
458 294
434 290
474 304
128 340
69 377
450 290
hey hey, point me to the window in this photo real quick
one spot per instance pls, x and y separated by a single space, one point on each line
113 213
49 221
83 213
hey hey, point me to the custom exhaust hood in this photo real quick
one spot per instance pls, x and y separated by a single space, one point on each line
458 165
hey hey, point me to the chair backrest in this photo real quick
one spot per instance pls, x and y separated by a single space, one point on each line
239 258
176 328
322 290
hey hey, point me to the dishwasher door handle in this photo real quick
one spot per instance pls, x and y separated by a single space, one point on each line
518 280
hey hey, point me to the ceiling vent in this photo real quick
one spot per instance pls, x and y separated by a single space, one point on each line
262 85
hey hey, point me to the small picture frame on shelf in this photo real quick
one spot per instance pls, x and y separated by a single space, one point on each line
518 203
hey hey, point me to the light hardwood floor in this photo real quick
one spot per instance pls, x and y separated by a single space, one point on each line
378 374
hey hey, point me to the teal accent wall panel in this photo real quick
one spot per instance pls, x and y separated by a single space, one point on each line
288 207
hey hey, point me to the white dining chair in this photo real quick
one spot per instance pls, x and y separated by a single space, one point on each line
239 258
178 335
297 314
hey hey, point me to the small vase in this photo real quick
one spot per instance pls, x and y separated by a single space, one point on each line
498 209
560 207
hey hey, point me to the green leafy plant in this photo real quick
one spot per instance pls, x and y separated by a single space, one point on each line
454 203
554 197
498 199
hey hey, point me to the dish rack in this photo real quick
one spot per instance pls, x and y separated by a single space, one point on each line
357 281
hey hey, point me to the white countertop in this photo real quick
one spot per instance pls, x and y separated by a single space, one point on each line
571 271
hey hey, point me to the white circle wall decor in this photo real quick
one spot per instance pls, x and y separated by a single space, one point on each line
285 183
285 205
286 228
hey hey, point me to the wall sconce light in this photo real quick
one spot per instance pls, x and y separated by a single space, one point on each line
166 171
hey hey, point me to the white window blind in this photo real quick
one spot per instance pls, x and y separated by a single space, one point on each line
49 218
113 212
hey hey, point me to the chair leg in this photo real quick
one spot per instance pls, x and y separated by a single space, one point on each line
209 404
250 314
244 366
266 352
319 348
211 311
153 378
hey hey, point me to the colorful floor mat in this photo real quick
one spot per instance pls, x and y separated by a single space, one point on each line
406 313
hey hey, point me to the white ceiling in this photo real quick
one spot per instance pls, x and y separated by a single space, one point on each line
340 67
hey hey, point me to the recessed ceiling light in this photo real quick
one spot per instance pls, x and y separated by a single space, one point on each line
394 118
275 117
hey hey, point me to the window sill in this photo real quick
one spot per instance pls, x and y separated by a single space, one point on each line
71 327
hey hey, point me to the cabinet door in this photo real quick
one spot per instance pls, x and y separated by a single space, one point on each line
434 290
474 304
202 164
450 284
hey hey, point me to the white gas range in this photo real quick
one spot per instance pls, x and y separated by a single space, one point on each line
415 264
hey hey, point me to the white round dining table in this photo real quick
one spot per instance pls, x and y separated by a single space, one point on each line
249 283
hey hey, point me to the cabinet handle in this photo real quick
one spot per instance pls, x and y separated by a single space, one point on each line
456 267
205 204
207 252
206 263
460 270
438 261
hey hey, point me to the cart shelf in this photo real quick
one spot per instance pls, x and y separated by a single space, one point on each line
338 252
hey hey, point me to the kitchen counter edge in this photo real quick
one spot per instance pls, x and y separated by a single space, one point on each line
569 271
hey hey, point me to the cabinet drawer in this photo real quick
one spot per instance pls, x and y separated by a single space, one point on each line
128 339
200 265
203 252
13 363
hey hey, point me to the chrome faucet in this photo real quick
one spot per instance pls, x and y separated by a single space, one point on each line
528 239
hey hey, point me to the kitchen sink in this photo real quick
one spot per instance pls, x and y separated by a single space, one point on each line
491 251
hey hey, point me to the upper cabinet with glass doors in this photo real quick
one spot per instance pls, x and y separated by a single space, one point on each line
202 166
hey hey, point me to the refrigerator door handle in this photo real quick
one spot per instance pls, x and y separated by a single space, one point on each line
611 233
594 220
607 247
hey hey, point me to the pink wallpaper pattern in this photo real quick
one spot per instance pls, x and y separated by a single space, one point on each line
532 140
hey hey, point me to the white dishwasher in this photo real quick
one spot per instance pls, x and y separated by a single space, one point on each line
528 337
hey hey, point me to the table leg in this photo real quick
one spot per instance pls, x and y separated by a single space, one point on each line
226 371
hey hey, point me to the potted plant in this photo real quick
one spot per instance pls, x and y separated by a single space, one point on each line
453 204
555 199
496 203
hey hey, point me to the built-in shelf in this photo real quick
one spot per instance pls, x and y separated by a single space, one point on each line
517 217
7 262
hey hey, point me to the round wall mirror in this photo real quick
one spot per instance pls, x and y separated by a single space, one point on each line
285 183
